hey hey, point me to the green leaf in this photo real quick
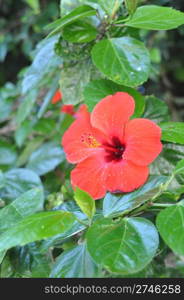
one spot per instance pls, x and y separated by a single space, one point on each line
114 205
56 240
170 223
45 126
173 132
28 150
125 246
66 122
85 202
153 17
7 270
26 106
7 94
79 32
46 158
80 12
31 262
48 97
34 4
8 154
18 181
155 55
22 132
73 80
2 255
40 263
131 6
45 61
6 106
68 206
36 227
2 180
3 47
166 163
124 60
110 7
179 169
25 205
75 263
67 6
156 110
99 89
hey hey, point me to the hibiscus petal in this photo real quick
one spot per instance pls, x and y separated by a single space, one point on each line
125 176
57 97
81 140
82 112
90 175
142 140
110 114
68 109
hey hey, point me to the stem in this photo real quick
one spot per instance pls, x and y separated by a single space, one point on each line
48 98
150 202
50 255
163 188
115 8
119 25
161 205
83 223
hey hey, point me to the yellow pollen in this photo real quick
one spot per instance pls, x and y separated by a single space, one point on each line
89 140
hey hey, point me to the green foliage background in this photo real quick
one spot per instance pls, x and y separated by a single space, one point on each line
43 223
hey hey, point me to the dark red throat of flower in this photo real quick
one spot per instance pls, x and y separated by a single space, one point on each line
114 150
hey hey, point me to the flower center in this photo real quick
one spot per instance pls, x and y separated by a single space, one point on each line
89 140
114 150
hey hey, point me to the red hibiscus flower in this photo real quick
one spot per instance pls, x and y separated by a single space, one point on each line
57 97
68 109
112 152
